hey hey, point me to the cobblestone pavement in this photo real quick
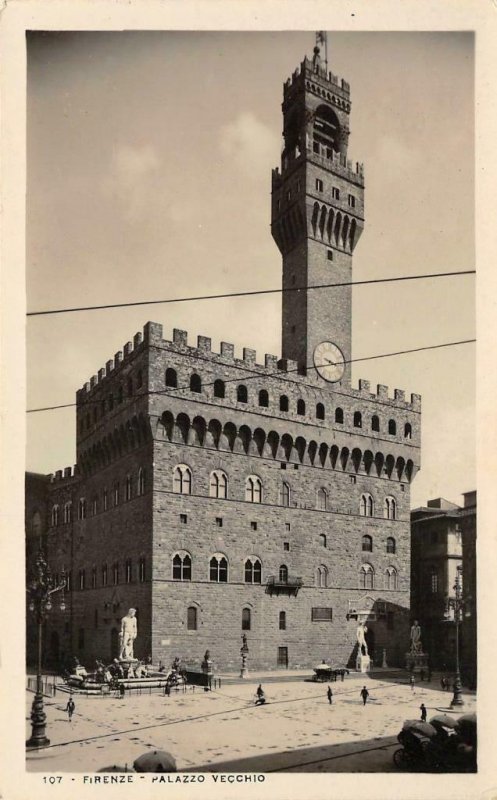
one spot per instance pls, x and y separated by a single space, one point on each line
222 730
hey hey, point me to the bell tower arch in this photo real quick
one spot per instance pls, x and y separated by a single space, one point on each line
317 217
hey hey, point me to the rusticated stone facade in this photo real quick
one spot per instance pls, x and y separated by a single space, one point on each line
220 496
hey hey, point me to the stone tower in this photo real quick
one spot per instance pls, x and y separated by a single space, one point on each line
316 220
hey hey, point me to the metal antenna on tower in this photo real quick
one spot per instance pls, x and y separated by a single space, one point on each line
322 38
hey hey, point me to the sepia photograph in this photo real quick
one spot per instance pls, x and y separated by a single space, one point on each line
250 487
240 388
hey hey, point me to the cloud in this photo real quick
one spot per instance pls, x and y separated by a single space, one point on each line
249 144
132 172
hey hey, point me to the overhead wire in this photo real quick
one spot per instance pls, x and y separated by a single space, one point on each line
252 293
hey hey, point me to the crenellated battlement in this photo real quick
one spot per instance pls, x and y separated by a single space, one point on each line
318 74
64 476
273 366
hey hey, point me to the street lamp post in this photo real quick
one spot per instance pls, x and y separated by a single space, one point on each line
457 604
40 591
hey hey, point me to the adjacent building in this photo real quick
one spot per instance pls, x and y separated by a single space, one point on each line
222 496
443 542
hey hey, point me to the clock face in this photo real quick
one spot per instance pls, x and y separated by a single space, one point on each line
329 361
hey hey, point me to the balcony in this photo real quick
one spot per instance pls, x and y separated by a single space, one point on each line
280 584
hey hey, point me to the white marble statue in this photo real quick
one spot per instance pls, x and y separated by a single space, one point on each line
361 639
129 631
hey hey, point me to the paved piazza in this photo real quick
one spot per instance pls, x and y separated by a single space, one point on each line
223 731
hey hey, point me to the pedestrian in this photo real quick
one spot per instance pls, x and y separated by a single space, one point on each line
260 696
411 681
364 695
167 689
121 690
422 675
330 695
71 705
342 674
422 708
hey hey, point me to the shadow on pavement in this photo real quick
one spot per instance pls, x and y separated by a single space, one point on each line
367 755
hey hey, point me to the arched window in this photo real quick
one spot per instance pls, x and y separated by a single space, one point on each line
263 398
366 506
390 508
322 576
195 383
245 619
392 427
320 411
218 484
300 407
375 423
391 546
407 431
68 513
115 573
55 516
94 506
367 544
218 569
282 621
82 508
218 388
285 494
283 574
191 618
241 394
322 499
128 487
357 419
110 403
105 574
120 395
171 378
434 580
339 415
253 489
115 491
322 539
182 479
128 571
253 570
283 403
139 379
141 482
366 577
129 386
182 567
391 578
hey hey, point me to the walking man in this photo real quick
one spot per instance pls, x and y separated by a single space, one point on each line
71 705
330 695
422 708
364 695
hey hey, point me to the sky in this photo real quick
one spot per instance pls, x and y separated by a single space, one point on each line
148 176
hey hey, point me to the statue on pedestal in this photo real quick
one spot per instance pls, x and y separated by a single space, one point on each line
129 632
416 646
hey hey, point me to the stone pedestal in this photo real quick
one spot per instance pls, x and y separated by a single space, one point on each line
362 663
415 662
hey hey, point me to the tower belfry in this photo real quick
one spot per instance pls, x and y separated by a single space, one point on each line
317 216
